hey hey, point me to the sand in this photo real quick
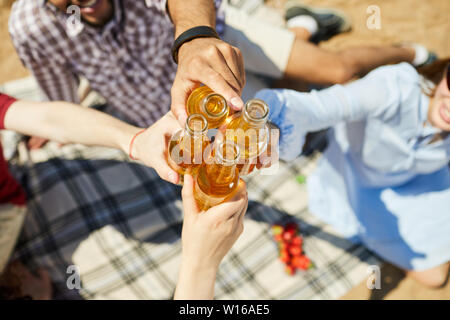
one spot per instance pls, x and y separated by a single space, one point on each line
421 21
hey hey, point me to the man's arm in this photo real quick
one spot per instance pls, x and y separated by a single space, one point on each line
210 61
191 13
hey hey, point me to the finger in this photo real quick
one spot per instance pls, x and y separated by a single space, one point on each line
240 221
36 143
244 211
221 62
240 60
189 204
165 171
218 83
171 124
226 210
231 60
179 93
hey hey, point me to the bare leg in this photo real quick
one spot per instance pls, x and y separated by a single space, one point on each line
435 277
310 63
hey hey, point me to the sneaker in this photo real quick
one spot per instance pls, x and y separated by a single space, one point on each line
423 56
330 21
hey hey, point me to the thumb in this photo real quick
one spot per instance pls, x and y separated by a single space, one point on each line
189 204
164 170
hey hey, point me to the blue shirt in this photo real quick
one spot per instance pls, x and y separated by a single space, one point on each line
380 181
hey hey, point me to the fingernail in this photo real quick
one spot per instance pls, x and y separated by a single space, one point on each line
237 103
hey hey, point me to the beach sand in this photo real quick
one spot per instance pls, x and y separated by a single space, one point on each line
425 22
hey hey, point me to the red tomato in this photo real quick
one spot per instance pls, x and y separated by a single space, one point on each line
284 256
288 235
297 240
290 270
295 250
291 226
302 262
278 238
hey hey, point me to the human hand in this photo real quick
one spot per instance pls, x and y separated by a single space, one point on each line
36 143
207 236
151 146
285 113
212 62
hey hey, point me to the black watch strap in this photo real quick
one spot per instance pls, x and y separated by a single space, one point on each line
190 34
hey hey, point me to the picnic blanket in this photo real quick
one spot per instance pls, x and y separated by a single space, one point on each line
96 217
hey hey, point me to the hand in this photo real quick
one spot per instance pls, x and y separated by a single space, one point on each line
150 147
36 143
285 113
206 239
208 236
212 62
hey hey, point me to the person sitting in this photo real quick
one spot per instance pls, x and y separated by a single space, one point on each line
384 179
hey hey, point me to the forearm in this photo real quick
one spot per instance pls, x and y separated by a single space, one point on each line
68 123
187 14
195 283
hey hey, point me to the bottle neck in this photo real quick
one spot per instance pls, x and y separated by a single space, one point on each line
196 126
221 174
255 114
214 106
222 170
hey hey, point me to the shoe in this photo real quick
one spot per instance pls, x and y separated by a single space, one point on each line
330 21
423 56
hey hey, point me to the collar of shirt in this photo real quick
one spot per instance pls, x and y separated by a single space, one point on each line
74 29
427 129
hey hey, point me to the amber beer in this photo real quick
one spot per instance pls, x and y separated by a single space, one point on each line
209 104
186 147
249 130
217 178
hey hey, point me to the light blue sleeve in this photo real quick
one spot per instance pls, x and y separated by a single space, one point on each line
296 113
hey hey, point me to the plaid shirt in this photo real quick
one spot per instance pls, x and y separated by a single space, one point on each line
128 61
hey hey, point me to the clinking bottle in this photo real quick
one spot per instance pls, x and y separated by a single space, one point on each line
250 131
217 178
209 104
187 147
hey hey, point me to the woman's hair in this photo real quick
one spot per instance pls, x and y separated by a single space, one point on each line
434 73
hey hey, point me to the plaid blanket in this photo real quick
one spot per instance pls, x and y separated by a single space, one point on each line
114 225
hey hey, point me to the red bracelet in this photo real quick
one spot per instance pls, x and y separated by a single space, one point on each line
131 144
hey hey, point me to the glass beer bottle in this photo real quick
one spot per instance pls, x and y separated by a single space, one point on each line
218 178
186 147
210 104
250 132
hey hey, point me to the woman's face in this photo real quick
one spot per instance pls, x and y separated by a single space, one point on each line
439 110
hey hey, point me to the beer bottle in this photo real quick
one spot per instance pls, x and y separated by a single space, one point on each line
186 147
250 131
217 178
210 104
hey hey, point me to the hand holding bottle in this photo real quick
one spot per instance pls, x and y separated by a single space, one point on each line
151 146
207 236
